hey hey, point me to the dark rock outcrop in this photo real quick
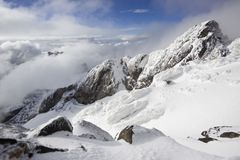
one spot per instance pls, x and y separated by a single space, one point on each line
59 124
218 132
54 53
43 149
132 68
99 83
4 141
207 139
136 134
54 98
229 135
126 134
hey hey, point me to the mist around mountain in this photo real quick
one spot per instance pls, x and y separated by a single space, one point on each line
180 102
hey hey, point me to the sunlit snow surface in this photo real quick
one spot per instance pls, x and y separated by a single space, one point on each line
201 95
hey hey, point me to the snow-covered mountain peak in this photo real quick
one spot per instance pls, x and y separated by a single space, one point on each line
201 42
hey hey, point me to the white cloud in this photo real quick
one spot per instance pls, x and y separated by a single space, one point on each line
16 53
188 7
84 9
54 18
136 11
140 11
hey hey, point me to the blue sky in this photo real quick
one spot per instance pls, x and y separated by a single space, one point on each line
110 17
140 12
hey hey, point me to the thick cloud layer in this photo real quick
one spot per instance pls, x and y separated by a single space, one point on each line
50 72
16 53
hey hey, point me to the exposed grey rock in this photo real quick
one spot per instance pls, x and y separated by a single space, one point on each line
126 134
207 139
132 68
218 132
54 53
59 124
136 134
4 141
48 103
230 135
169 82
43 149
99 83
27 110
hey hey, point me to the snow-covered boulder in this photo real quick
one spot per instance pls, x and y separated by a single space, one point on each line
59 124
137 134
87 129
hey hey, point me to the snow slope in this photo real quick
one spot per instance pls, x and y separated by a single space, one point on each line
159 148
181 102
